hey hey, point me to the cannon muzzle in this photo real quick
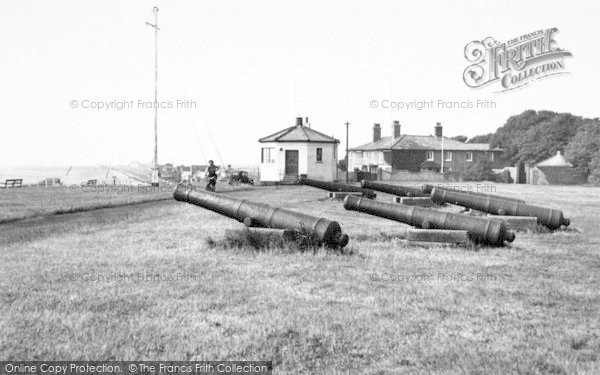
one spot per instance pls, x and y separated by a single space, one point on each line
402 191
337 187
548 217
481 229
253 214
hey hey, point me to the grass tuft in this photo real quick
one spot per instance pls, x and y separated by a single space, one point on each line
271 240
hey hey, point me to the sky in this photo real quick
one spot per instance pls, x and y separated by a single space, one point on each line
231 72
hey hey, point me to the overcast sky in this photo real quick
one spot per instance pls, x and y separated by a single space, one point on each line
251 67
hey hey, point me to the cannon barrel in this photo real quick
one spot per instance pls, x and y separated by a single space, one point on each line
480 229
552 219
335 186
402 191
428 188
254 214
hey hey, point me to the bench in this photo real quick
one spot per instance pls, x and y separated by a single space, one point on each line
11 183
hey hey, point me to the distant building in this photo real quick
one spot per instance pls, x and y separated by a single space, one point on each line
555 170
298 150
418 152
167 172
185 172
198 172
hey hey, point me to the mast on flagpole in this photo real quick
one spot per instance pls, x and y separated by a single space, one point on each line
155 159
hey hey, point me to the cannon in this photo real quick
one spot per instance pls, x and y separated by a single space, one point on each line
481 229
334 186
548 217
253 214
428 188
402 191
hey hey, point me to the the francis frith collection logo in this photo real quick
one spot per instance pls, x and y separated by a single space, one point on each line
515 63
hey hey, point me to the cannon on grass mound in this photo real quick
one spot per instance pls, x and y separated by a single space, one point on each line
401 191
480 229
338 187
553 219
427 189
323 231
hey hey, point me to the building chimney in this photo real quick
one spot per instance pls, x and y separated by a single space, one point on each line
376 132
396 129
298 121
306 122
438 130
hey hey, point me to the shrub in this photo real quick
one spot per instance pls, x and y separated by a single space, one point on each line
478 171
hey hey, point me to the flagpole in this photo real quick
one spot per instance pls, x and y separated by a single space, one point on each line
155 159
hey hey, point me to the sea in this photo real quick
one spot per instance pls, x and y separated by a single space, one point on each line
75 175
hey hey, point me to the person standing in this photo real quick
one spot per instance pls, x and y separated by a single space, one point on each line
211 172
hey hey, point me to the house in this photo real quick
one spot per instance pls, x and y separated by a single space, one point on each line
298 150
185 172
167 172
555 170
416 153
199 171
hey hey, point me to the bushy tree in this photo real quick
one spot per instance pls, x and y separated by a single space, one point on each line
595 168
460 138
534 136
484 138
584 146
481 170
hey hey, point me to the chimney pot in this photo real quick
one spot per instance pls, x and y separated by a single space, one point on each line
396 129
298 121
438 130
376 132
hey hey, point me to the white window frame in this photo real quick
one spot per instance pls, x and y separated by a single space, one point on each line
447 155
491 156
430 153
269 154
469 156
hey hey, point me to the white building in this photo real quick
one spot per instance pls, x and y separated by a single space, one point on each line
298 150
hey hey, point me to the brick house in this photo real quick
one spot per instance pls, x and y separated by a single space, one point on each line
416 153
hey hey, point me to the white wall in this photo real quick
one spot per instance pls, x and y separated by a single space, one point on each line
367 158
325 170
307 164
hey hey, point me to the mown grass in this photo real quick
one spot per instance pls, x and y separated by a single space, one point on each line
140 282
29 202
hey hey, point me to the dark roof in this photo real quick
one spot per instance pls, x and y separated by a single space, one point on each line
298 133
422 142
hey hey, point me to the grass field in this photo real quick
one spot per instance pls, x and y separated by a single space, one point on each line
140 282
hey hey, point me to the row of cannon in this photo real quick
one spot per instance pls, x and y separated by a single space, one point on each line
481 229
488 203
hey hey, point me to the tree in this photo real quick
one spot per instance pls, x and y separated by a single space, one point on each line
534 136
595 168
484 138
481 170
460 138
585 146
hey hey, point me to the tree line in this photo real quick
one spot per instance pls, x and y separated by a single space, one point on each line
533 136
